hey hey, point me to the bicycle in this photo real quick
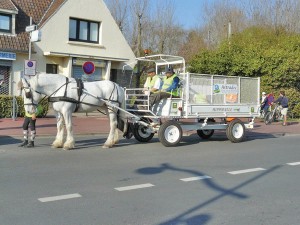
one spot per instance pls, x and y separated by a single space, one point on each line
273 115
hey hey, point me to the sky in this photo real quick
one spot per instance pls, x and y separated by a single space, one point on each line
188 12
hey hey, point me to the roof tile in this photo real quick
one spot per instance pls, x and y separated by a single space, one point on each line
8 5
39 10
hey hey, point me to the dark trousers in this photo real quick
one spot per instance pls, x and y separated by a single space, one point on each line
155 98
29 121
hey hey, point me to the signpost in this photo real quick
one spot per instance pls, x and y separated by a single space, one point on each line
30 28
30 67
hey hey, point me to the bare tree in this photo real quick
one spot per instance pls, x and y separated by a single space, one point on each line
139 9
275 13
119 11
162 33
195 42
218 16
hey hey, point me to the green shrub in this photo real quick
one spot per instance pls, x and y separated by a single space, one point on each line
6 107
294 101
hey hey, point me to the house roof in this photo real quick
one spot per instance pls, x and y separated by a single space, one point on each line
7 5
39 10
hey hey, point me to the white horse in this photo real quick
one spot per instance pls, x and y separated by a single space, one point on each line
69 95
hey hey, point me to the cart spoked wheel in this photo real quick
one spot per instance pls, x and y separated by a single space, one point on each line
205 134
170 133
236 131
142 133
268 118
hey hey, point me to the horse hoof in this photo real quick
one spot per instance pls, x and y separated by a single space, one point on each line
56 146
67 147
105 146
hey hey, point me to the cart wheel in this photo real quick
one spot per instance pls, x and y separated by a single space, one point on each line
170 133
235 131
268 118
205 134
142 133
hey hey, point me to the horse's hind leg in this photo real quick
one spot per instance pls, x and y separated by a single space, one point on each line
111 140
116 136
59 140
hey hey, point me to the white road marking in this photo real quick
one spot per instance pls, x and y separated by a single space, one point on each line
195 178
60 197
246 171
294 163
127 188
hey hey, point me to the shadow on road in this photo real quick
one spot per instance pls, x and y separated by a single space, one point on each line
8 140
185 218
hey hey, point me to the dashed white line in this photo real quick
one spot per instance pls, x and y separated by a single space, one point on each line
195 178
60 197
139 186
246 171
294 163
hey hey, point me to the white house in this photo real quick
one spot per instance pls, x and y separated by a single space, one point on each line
73 32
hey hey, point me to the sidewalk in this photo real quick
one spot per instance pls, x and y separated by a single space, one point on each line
96 123
91 123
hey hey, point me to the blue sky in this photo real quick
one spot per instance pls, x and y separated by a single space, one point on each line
188 12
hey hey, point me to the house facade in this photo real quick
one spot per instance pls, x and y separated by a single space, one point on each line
74 34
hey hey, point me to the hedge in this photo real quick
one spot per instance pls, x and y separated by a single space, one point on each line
6 107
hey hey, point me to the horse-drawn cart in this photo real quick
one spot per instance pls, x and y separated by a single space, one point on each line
206 103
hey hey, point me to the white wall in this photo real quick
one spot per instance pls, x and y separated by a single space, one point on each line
55 32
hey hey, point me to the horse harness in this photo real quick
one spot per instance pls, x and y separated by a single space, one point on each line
80 89
65 98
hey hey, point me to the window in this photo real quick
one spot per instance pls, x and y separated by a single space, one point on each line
5 23
83 30
51 68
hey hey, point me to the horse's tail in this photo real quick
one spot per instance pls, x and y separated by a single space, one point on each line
123 123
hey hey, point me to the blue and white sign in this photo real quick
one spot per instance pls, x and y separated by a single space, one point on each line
8 55
225 89
30 67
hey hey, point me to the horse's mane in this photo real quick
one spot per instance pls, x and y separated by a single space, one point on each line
49 77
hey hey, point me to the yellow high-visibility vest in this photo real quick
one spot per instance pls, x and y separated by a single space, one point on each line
151 82
168 82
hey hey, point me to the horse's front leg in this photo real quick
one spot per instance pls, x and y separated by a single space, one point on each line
70 143
59 140
113 137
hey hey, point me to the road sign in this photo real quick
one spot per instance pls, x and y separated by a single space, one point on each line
88 68
36 36
30 28
30 67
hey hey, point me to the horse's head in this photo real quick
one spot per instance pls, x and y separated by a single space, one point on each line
30 96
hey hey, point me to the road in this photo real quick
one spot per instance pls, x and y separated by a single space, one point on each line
211 182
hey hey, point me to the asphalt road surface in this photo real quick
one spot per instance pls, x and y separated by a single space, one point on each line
211 182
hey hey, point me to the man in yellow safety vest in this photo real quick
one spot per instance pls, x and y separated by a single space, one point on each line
153 82
169 88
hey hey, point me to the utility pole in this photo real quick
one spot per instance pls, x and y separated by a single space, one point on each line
29 54
229 29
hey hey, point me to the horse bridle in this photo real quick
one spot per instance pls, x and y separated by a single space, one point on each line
40 93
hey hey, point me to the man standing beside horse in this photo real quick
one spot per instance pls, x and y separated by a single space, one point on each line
29 119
